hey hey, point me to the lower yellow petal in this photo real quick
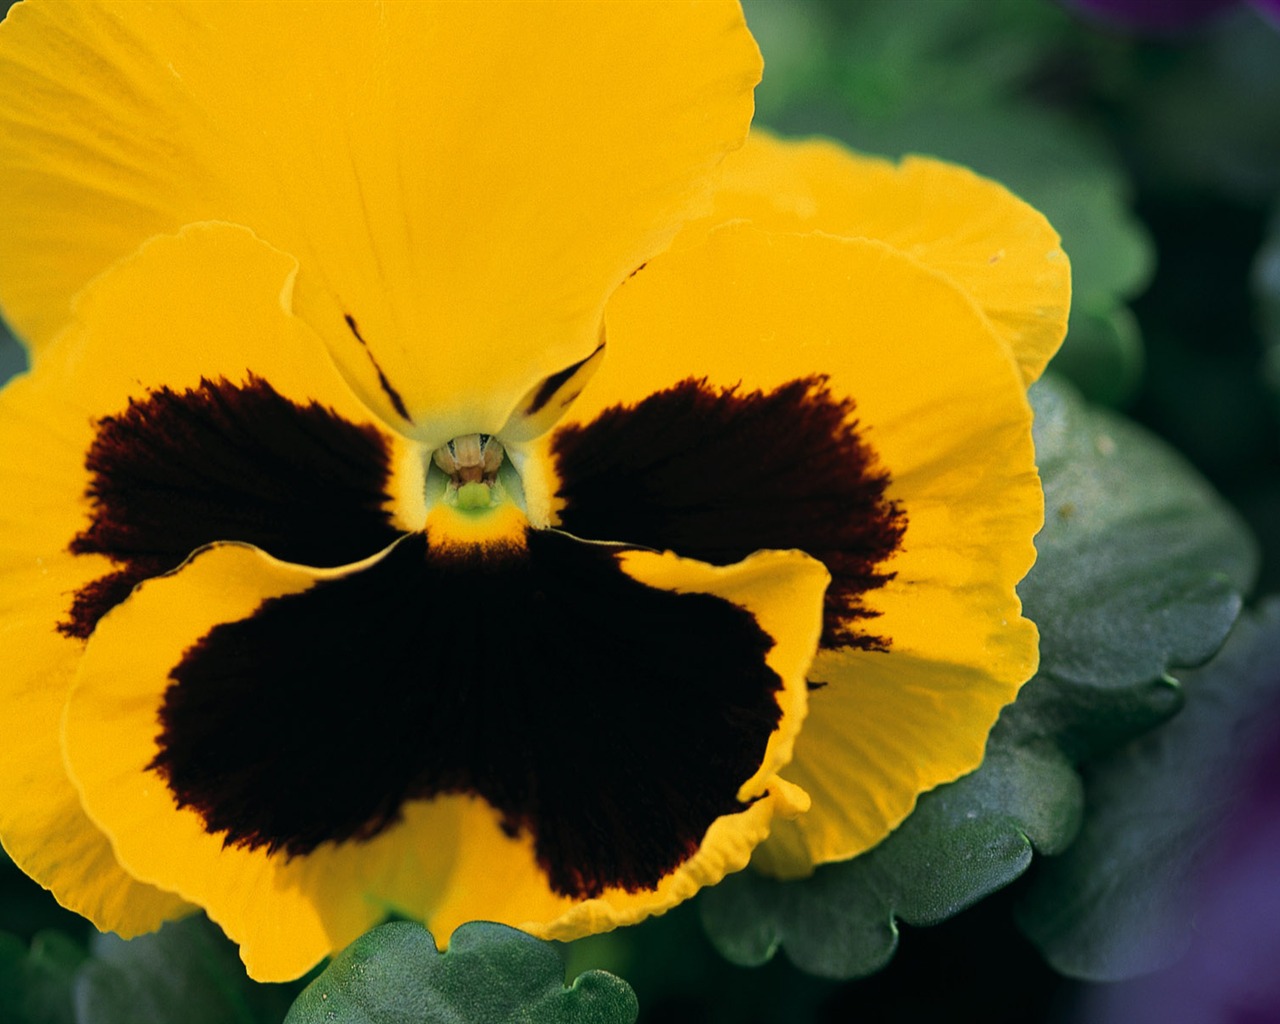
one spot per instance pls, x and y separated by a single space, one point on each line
286 913
445 859
882 730
496 878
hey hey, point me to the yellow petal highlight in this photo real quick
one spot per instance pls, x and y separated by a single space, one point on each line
212 299
448 860
944 408
994 246
466 182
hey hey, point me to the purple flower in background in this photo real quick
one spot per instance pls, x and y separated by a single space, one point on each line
1229 975
1168 15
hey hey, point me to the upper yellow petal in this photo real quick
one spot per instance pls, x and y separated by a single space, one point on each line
994 246
461 184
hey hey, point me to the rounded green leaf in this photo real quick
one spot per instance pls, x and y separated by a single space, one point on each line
491 974
963 842
1140 565
1103 353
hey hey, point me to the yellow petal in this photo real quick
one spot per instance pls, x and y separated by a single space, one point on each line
994 246
213 297
461 184
943 409
447 859
44 828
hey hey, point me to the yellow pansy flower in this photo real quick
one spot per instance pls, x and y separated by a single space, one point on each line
446 447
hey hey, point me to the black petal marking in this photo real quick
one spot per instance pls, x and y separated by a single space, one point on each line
548 388
393 396
611 721
176 471
717 474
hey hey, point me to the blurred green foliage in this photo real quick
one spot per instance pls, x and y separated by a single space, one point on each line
1117 904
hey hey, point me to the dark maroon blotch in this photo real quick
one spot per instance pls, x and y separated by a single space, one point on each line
716 474
226 462
610 721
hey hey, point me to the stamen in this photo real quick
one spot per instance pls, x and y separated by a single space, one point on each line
472 463
472 458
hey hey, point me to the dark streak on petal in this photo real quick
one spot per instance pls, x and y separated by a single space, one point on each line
718 474
611 721
548 388
388 389
176 471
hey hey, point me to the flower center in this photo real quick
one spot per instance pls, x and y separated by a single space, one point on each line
472 474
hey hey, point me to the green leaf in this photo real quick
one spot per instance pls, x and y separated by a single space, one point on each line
1141 567
1117 903
491 974
963 842
677 973
884 65
186 973
1141 564
35 983
1103 353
